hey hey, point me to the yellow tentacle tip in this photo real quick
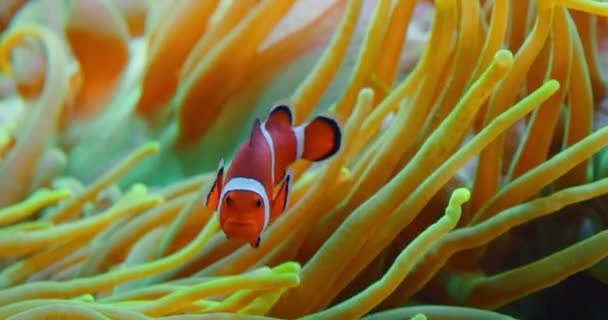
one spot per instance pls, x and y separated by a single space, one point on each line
346 175
288 267
138 189
85 298
151 147
419 316
504 58
551 85
458 197
58 194
366 93
543 92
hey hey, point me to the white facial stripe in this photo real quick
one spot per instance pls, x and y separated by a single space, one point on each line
299 133
249 185
268 138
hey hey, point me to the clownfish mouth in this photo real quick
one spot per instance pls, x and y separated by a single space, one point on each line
239 223
239 227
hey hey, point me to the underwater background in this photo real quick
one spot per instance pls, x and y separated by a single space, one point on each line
471 182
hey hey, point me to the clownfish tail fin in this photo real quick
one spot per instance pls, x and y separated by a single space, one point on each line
318 139
213 197
280 114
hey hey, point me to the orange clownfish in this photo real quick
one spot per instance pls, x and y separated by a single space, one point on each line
245 199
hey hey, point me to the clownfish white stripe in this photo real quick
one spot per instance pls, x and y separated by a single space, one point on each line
248 184
299 133
268 138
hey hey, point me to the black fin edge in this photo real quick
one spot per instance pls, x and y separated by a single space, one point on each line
220 172
257 243
210 192
283 107
337 133
287 181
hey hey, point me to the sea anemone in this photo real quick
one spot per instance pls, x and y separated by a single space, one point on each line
472 171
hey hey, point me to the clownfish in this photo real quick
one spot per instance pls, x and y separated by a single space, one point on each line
244 198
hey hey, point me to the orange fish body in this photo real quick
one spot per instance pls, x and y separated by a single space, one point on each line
245 198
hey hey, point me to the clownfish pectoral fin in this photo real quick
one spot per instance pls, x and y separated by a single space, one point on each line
213 197
318 139
280 114
280 200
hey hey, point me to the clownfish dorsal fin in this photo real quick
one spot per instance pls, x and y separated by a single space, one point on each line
319 138
213 197
256 133
279 203
280 114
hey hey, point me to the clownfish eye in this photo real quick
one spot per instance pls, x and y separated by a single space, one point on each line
228 200
258 203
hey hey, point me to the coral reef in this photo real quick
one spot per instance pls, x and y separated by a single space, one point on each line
472 172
